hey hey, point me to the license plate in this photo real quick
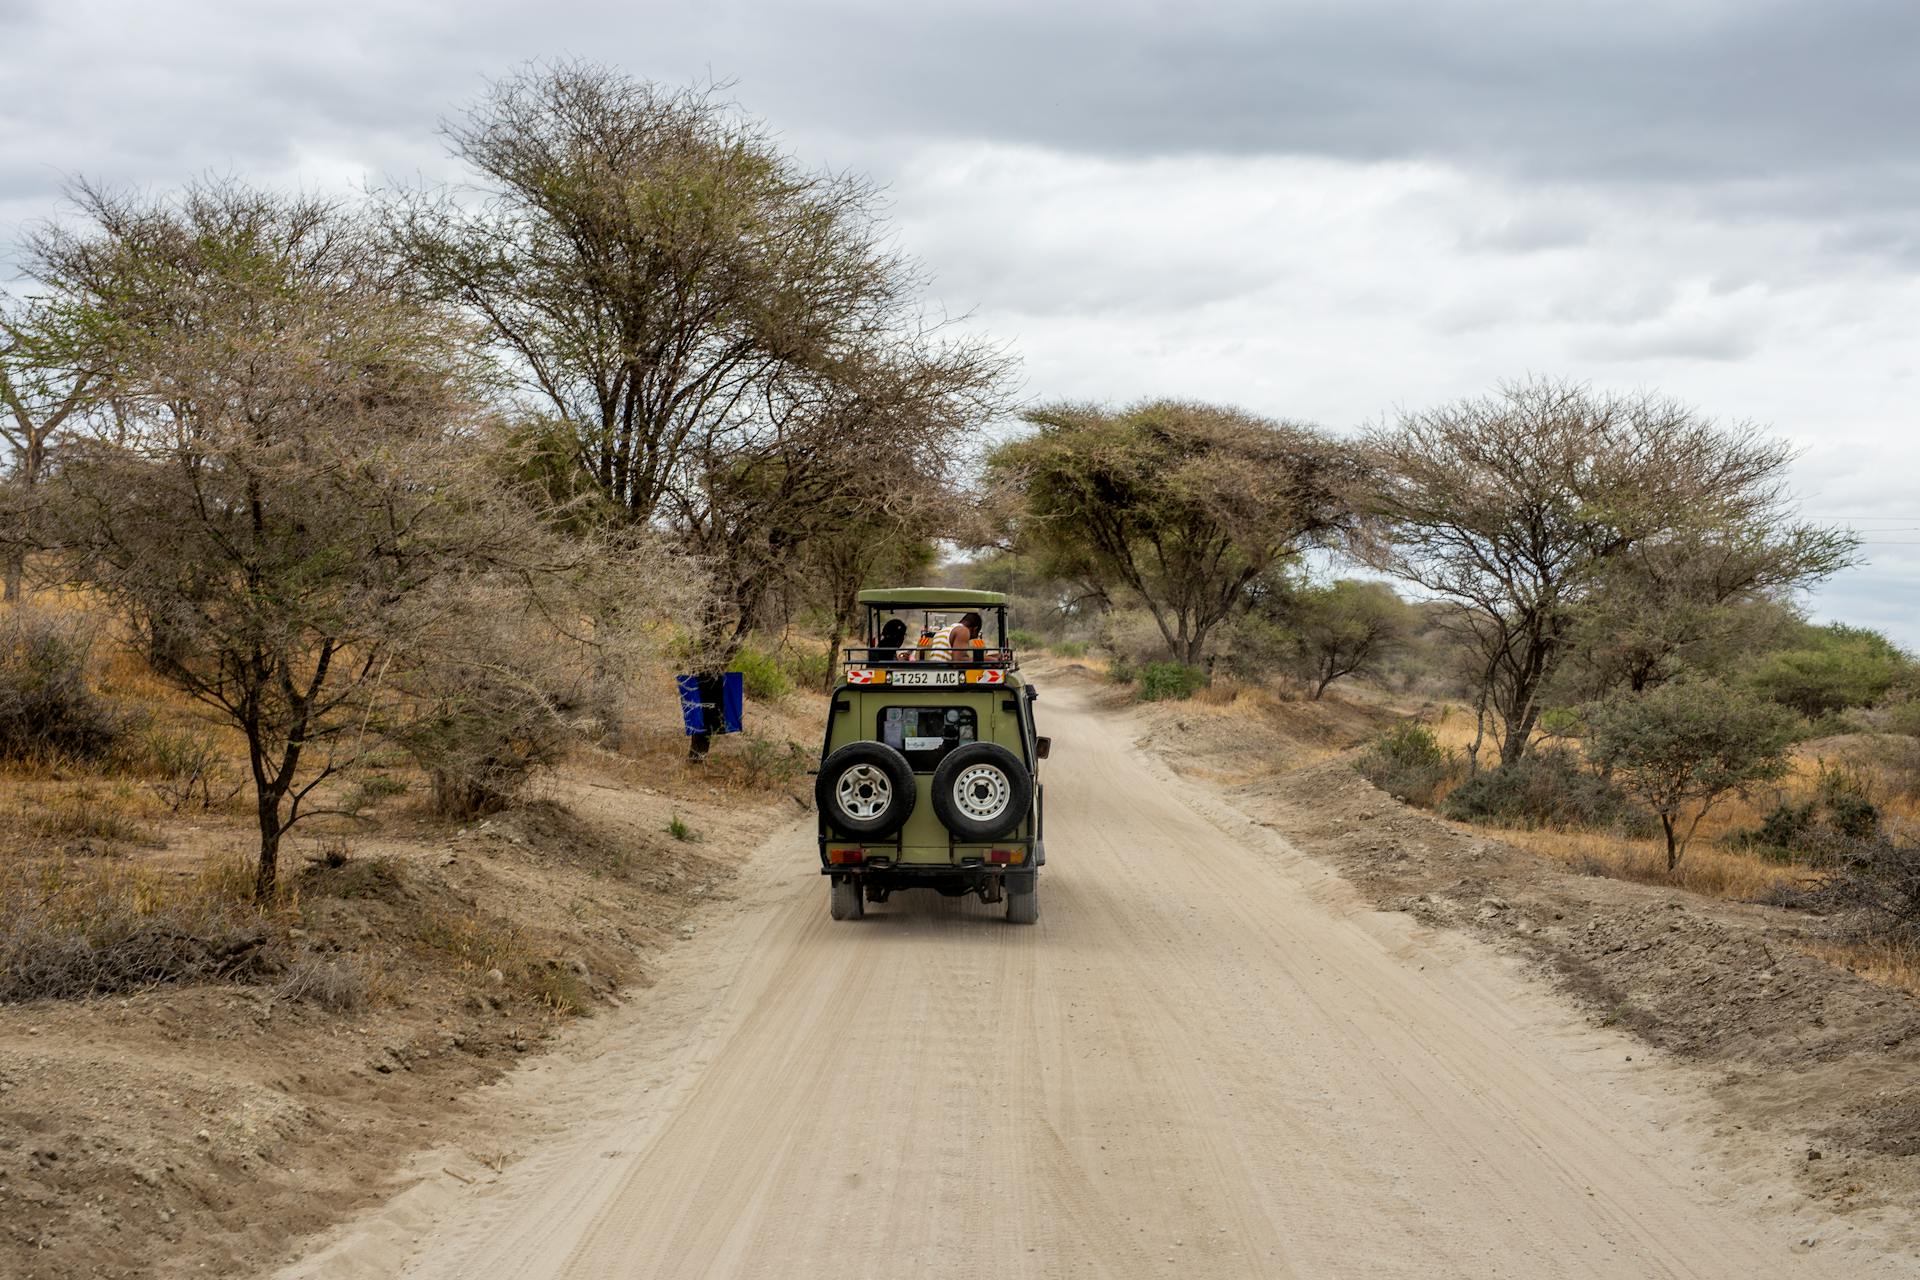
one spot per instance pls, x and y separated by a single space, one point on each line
911 679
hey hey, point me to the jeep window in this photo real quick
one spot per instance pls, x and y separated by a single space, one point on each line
925 734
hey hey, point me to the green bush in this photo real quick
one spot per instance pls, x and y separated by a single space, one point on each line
808 668
1549 788
1408 763
1833 668
1170 681
1071 649
1823 831
1682 746
763 677
1026 639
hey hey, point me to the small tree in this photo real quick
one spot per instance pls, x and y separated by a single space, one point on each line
1684 745
1182 506
295 492
1344 629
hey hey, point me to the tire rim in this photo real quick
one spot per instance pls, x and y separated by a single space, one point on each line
864 792
982 792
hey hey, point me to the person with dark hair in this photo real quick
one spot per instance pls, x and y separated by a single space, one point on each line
893 635
954 642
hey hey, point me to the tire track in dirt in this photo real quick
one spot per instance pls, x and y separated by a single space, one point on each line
1207 1059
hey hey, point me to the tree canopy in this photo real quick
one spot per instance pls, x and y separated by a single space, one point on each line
1529 508
1178 505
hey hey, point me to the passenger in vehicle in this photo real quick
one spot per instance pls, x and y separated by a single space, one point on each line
893 636
954 642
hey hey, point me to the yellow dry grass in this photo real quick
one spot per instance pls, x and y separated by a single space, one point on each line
1886 963
1709 870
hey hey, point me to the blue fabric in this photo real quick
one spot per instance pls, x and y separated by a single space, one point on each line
733 701
698 709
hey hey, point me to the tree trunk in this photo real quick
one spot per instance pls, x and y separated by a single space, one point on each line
834 641
1321 688
264 875
16 566
1673 850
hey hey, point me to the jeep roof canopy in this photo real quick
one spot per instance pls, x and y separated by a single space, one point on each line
939 598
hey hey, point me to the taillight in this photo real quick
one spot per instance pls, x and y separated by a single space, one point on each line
1007 855
844 856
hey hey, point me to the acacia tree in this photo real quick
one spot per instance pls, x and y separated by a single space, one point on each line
1180 505
1344 628
38 398
1684 745
294 495
832 462
1524 508
726 337
644 260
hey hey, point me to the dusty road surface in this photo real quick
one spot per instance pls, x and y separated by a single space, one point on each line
1206 1060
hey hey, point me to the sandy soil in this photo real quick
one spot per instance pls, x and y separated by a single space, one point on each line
1210 1058
196 1130
1813 1072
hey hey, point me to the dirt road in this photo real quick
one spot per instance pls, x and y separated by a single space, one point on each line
1206 1060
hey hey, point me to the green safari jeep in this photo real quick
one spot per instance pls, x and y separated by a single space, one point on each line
929 772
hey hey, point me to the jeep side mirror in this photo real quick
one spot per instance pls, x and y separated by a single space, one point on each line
1043 747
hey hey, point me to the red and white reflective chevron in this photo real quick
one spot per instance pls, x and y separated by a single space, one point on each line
993 677
861 675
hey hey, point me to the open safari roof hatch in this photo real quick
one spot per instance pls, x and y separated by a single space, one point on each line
992 650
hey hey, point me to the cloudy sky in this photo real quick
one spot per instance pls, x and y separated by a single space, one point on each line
1320 209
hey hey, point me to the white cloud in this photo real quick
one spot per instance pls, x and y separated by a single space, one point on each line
1322 210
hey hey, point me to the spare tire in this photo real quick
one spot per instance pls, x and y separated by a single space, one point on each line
865 789
981 791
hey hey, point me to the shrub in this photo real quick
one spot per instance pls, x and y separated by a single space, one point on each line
483 713
1019 639
1071 649
1548 788
47 704
809 668
1836 667
1903 717
1170 681
1408 763
1683 745
339 986
761 674
70 930
1121 671
765 761
677 828
1823 830
1878 883
188 768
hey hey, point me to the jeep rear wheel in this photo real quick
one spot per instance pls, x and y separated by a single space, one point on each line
843 899
1023 904
981 792
865 790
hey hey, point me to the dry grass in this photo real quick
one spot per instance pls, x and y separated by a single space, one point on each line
77 928
479 944
87 814
1706 869
1886 963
